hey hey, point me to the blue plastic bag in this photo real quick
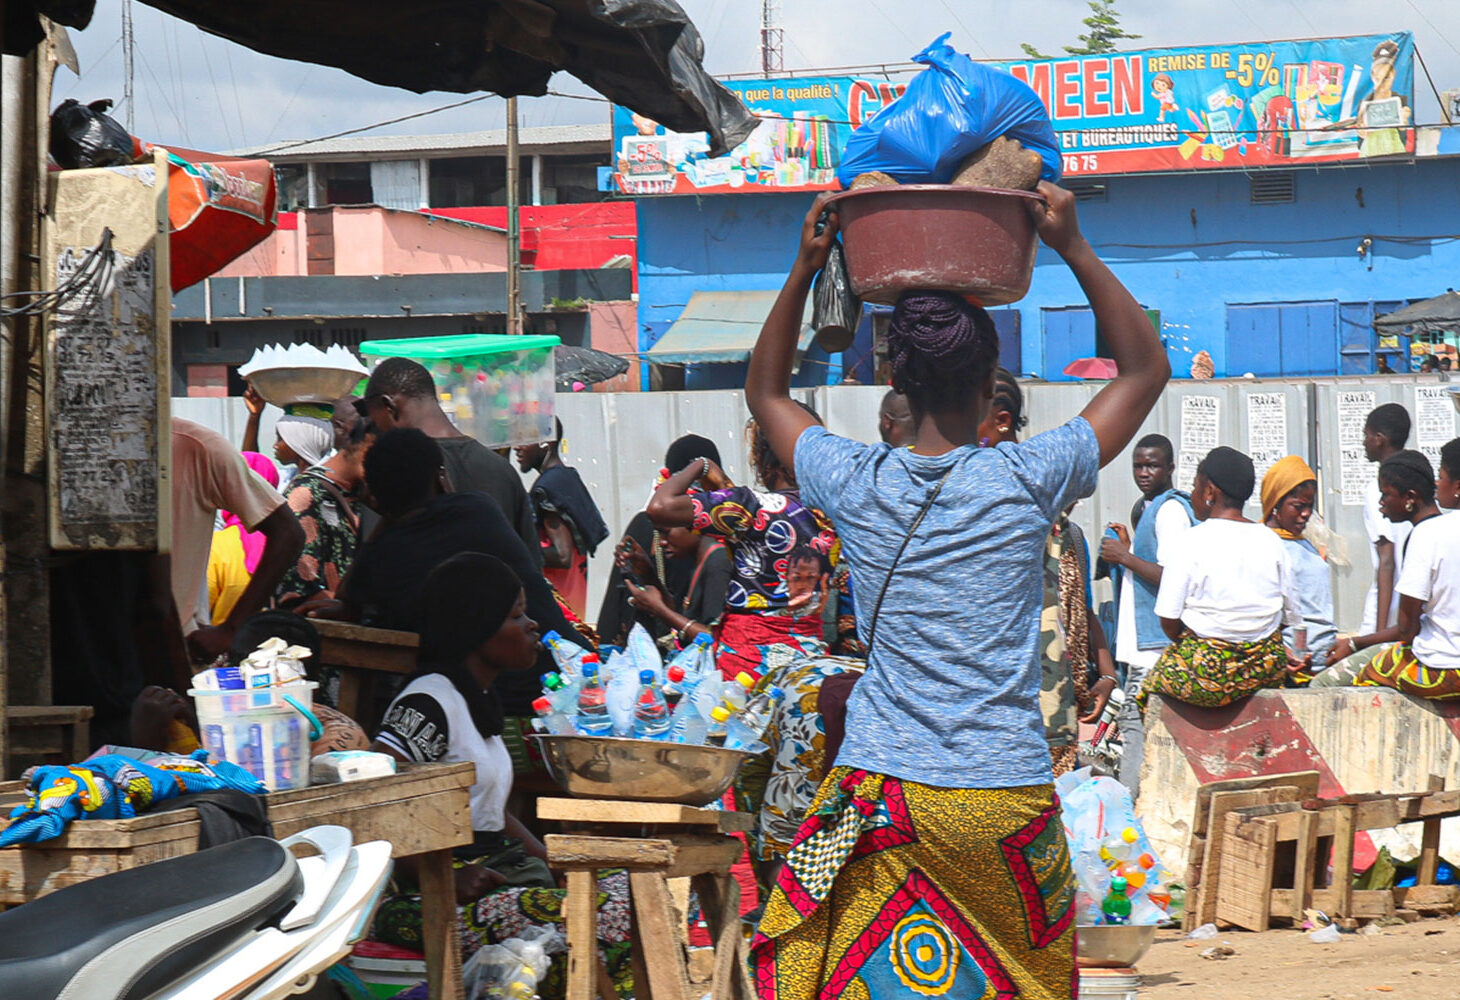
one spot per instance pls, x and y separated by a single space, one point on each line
948 111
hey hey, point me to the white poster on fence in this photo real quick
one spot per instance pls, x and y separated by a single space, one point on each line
1434 420
1201 416
1267 431
1355 469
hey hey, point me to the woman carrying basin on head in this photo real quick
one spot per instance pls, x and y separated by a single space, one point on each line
934 859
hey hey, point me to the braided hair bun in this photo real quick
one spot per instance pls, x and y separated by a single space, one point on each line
941 348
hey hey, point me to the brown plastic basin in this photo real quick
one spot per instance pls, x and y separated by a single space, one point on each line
973 241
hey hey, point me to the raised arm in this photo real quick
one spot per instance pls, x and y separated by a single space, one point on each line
1118 410
768 380
671 507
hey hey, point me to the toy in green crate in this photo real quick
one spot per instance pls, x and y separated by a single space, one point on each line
497 388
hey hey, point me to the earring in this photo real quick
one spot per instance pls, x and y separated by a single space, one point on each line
1409 506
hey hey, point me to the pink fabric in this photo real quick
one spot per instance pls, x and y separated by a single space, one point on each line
253 541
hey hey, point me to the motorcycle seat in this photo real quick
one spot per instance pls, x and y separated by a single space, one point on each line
127 935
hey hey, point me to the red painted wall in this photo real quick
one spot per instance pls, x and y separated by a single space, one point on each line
564 237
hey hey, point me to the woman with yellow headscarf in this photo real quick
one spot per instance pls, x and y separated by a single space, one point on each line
1288 491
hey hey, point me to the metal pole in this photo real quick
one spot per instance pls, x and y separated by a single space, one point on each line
129 46
514 224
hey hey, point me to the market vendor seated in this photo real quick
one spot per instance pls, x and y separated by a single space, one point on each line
424 526
1225 597
476 627
1420 655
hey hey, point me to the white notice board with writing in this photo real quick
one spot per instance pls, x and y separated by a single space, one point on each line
108 358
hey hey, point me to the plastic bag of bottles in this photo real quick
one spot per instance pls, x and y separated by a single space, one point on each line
511 970
642 653
1119 876
949 110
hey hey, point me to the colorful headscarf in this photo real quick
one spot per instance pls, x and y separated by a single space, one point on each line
253 541
1284 476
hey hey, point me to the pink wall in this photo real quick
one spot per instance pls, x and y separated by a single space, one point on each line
372 240
613 327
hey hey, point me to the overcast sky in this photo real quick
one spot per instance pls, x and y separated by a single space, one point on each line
201 91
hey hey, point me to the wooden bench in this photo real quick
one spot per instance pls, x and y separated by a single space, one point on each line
656 842
1252 838
361 655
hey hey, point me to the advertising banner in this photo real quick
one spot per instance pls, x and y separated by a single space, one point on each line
1259 104
1253 105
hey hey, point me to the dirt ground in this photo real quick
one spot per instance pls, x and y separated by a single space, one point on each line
1419 961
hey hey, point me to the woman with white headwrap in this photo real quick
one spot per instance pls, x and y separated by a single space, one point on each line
303 441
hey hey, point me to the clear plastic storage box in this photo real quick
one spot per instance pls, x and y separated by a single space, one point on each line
495 387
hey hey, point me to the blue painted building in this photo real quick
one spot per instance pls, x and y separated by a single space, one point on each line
1275 272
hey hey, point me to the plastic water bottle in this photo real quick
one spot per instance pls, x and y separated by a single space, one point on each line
736 694
757 713
642 652
563 693
1116 906
550 719
715 732
567 655
593 718
688 659
651 714
673 686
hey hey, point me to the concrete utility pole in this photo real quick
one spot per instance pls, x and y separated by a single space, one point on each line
514 224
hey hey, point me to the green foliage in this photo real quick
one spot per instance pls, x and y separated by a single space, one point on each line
1104 31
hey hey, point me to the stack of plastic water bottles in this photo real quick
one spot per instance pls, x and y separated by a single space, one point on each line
1120 879
636 694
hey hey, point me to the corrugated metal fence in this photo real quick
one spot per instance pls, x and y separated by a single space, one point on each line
617 443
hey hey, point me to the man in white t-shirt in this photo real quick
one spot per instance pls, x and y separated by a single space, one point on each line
1225 596
1161 516
1386 430
209 475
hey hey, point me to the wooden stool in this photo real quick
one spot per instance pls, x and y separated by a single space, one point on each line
57 734
655 842
1252 837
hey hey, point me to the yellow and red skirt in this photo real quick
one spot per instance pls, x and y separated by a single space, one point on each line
1396 667
896 888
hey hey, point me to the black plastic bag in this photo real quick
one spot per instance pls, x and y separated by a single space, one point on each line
84 135
835 311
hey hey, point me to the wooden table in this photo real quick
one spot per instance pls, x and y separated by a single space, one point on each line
423 811
361 654
655 842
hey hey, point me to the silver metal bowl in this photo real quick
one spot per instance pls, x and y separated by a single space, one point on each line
612 767
285 386
1113 946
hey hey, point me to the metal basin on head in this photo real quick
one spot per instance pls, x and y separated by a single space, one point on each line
612 767
1113 946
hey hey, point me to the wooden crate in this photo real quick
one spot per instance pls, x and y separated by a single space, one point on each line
423 808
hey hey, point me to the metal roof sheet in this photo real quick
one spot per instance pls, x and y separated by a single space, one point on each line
721 328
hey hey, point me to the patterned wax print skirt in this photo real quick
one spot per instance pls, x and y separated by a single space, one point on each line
1210 673
896 889
1396 667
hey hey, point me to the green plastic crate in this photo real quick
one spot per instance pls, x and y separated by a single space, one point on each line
497 388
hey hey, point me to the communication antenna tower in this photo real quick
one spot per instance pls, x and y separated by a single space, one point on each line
772 38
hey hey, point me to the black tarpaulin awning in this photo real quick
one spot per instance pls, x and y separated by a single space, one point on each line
1439 313
643 54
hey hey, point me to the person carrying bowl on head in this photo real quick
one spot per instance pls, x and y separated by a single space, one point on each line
934 856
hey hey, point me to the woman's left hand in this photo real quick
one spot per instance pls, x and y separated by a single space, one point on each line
1298 659
475 881
1099 698
648 599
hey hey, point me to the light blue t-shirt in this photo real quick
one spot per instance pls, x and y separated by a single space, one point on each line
951 694
1313 591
